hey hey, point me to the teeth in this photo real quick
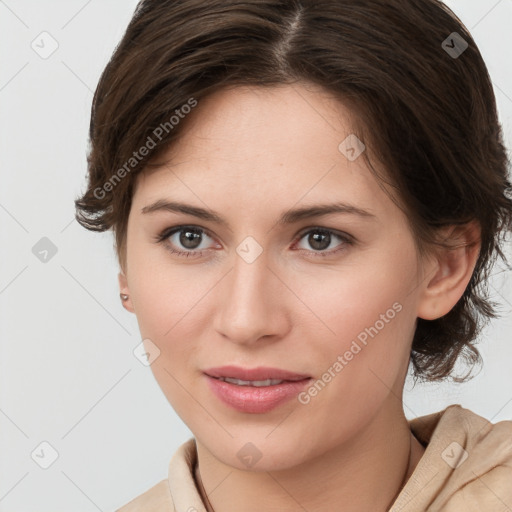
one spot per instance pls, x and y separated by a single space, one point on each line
256 383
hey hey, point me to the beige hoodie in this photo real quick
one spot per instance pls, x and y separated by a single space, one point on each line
466 467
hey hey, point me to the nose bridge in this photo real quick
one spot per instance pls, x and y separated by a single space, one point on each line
248 308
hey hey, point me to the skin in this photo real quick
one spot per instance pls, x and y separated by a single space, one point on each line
250 154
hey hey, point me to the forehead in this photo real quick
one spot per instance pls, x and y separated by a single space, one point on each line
277 120
272 144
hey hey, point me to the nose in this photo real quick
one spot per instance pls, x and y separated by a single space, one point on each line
251 303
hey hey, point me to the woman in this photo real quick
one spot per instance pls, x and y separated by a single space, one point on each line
307 197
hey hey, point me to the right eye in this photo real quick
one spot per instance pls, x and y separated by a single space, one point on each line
184 241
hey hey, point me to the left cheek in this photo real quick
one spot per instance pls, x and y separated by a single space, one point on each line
352 306
365 323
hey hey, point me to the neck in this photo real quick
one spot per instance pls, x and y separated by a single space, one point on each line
364 474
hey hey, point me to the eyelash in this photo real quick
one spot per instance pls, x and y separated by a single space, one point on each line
164 236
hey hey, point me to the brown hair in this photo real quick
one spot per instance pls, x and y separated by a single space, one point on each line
425 104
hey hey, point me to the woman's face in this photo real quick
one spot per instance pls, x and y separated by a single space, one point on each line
333 297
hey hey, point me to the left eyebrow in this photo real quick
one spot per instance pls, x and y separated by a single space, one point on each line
297 214
289 217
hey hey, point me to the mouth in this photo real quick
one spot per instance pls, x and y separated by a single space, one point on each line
255 383
258 377
256 390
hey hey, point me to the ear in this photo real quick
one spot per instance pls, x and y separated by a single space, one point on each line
450 270
124 290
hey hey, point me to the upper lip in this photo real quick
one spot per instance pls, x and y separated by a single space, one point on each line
252 374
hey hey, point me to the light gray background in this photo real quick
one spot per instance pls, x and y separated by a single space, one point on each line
68 374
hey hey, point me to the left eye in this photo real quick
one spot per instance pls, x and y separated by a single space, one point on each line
319 239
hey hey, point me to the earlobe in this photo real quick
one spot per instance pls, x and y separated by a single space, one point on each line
452 271
124 293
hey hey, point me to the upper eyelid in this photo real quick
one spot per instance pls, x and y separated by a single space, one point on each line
337 232
166 233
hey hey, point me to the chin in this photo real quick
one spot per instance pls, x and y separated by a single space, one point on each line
260 453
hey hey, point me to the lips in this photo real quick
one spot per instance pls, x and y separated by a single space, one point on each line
260 373
254 390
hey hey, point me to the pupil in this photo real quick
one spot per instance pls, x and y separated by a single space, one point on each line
317 240
187 238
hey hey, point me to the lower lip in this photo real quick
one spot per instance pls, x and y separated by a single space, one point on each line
252 399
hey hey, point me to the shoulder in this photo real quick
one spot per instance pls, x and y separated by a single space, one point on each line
177 492
485 465
467 461
156 499
491 441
